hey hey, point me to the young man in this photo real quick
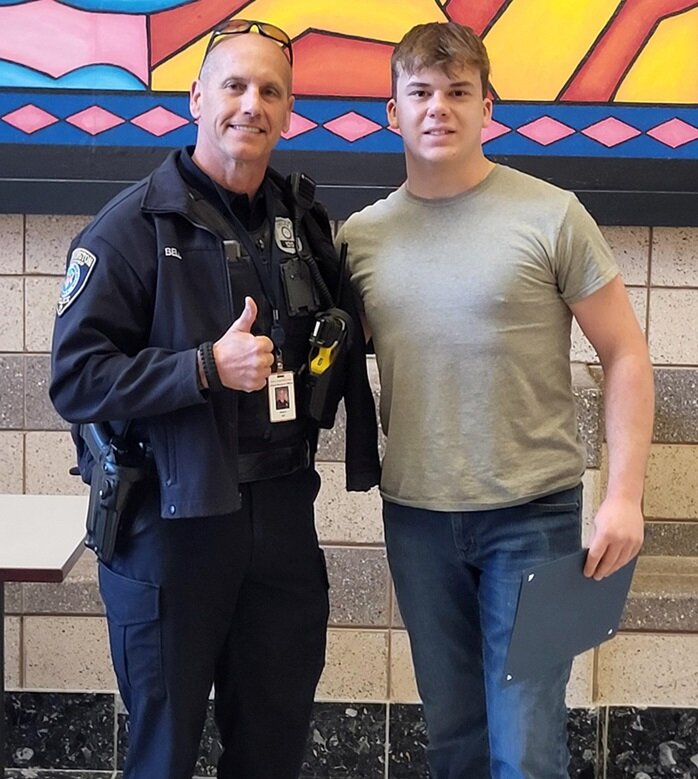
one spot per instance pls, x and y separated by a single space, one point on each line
174 323
470 274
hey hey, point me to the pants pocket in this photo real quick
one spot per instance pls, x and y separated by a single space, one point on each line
133 617
563 501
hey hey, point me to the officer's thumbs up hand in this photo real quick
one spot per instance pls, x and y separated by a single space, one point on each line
244 360
243 324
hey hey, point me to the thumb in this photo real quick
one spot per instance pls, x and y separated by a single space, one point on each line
243 324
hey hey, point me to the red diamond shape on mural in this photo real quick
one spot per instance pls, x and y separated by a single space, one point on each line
352 126
299 125
611 132
546 130
494 130
29 119
94 120
674 133
159 121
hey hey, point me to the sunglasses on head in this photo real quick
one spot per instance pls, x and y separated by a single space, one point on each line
242 26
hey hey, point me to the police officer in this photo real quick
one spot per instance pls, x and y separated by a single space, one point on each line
185 308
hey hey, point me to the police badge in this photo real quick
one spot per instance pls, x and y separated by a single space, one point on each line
80 267
284 234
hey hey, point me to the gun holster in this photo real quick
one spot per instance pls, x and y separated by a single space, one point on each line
330 342
119 467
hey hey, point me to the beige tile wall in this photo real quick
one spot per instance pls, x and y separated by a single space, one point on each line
671 489
356 668
674 257
673 332
11 461
368 650
12 243
13 642
342 517
66 653
649 670
11 314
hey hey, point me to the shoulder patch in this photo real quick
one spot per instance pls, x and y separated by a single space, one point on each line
80 267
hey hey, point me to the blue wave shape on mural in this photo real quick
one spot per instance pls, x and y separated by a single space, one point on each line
114 6
87 77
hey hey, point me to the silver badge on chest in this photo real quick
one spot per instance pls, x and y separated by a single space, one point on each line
284 234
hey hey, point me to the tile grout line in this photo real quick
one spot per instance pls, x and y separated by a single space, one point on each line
115 753
386 747
603 758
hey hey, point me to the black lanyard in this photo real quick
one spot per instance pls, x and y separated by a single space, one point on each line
269 274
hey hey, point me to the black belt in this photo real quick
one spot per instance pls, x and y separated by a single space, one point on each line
255 466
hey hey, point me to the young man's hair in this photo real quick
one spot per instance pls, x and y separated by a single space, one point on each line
445 45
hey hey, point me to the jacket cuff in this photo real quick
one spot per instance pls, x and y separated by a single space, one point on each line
362 481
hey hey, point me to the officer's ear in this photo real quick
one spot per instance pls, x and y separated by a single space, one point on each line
195 99
289 111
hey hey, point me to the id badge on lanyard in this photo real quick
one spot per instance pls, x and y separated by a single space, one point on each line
281 388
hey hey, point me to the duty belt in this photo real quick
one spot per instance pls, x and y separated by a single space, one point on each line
281 461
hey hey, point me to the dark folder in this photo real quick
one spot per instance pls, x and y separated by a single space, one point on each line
562 613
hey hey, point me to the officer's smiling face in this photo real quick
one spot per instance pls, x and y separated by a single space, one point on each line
242 101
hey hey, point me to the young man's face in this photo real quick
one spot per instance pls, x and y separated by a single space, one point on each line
440 117
242 101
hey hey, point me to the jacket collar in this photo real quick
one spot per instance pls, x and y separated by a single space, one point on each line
167 192
165 189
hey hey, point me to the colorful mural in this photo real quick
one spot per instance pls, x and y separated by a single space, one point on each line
597 78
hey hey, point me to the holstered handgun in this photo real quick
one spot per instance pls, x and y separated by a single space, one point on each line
119 467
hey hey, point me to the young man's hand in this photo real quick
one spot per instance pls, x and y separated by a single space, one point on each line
617 537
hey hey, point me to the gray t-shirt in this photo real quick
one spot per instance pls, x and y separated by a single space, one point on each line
467 298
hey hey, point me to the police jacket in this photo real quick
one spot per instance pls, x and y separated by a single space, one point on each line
147 283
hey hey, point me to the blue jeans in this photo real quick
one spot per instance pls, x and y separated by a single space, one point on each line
457 577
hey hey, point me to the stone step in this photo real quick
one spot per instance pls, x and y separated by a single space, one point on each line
663 596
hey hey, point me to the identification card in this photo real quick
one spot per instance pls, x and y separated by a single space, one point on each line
282 397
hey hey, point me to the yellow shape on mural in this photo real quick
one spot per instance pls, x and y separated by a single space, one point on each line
536 45
666 70
386 21
177 74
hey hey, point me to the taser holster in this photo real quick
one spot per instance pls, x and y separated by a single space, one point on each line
119 467
330 341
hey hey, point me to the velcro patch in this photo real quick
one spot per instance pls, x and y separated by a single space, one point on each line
80 267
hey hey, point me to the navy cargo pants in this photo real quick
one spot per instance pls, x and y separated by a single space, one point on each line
238 600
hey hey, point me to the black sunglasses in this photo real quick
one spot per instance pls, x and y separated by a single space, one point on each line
242 26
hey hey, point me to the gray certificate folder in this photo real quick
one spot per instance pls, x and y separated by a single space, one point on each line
562 613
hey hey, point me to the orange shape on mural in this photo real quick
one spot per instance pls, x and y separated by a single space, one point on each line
325 64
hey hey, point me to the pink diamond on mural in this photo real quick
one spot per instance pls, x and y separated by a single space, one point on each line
546 130
94 120
352 126
29 119
299 125
494 130
611 132
674 133
159 121
395 130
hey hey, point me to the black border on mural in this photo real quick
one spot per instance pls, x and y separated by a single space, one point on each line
79 180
